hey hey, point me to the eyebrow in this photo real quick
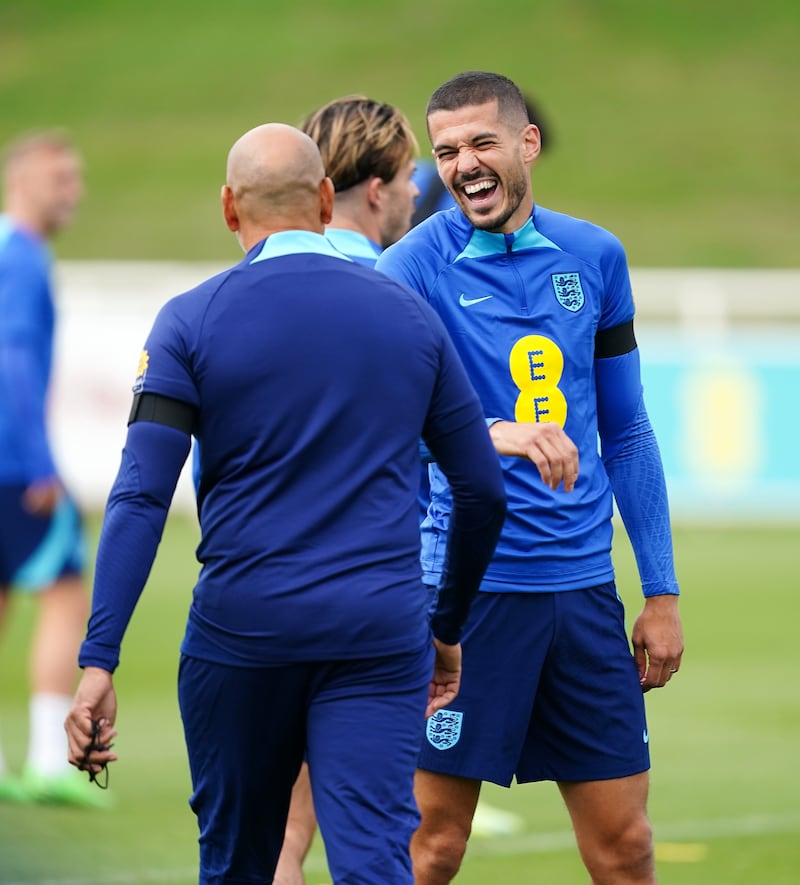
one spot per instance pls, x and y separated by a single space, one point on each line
480 136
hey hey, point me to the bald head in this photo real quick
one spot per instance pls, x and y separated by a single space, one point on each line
275 181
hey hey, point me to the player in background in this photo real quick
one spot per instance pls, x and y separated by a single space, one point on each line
369 153
540 308
309 380
41 537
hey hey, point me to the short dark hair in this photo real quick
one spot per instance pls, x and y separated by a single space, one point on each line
480 87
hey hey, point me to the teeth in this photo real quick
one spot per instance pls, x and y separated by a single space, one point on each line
477 186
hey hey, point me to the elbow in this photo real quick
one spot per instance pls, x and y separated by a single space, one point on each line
482 503
498 501
496 504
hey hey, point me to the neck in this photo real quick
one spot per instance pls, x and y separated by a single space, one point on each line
23 218
518 219
352 211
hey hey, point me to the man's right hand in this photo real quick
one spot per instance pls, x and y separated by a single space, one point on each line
41 497
95 701
545 444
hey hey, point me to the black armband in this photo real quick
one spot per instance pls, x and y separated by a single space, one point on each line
615 341
163 410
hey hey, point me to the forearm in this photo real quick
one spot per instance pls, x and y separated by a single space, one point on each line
132 528
479 508
637 480
128 542
426 457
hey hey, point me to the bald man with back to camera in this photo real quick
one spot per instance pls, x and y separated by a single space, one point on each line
308 380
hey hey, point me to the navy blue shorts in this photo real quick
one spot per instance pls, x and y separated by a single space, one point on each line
35 551
360 724
549 691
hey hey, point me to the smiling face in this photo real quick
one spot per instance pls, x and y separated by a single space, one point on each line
484 161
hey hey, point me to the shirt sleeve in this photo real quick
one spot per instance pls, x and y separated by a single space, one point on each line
140 498
632 460
166 362
133 524
23 369
24 393
618 307
458 439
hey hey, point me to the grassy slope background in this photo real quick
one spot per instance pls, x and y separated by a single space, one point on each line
674 124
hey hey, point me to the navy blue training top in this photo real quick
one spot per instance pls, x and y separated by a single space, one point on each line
312 378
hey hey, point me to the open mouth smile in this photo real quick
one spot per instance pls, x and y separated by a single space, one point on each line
480 191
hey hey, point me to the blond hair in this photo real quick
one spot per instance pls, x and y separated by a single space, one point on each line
359 138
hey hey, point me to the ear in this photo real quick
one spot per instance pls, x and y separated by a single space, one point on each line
326 198
229 210
374 188
531 143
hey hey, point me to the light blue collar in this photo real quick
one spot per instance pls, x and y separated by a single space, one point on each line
352 243
483 243
294 242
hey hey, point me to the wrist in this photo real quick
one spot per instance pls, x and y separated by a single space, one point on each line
662 599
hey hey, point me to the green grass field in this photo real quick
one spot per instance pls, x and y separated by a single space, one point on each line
724 736
675 123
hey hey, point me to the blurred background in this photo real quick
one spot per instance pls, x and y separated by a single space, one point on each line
675 126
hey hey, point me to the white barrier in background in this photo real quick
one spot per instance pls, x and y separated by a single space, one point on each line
106 310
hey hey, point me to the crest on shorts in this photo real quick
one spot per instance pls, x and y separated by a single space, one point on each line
568 290
444 729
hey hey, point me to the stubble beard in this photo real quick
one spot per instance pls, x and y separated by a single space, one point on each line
515 187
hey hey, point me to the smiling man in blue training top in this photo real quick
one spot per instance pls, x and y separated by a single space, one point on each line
539 306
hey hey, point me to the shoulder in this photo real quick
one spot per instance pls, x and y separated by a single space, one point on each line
583 238
187 307
382 297
24 267
433 243
20 249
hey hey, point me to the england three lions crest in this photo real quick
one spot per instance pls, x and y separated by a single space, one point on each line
568 290
444 729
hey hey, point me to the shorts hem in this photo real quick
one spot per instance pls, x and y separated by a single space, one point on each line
586 776
506 781
500 780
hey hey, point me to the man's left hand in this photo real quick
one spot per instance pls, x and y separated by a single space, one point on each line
658 641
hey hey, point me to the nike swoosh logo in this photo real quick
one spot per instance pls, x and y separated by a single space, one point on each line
645 736
468 302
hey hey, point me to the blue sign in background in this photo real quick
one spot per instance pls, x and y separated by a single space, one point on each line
726 409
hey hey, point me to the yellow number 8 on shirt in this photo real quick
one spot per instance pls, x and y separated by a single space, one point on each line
536 365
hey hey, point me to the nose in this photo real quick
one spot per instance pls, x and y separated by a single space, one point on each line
467 160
